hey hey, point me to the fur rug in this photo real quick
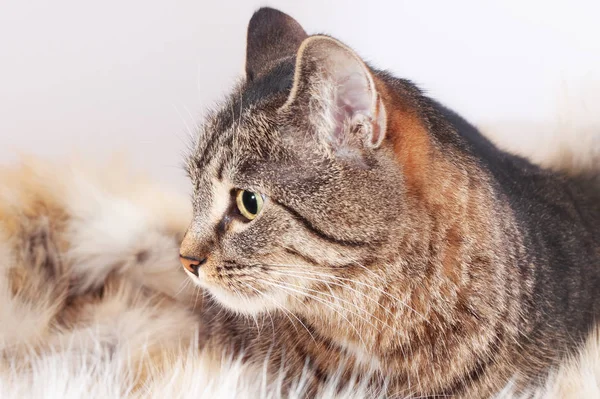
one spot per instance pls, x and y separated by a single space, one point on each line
93 301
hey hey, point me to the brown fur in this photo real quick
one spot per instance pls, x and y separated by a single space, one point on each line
385 250
384 244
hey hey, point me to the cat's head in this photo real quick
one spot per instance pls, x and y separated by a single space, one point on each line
296 177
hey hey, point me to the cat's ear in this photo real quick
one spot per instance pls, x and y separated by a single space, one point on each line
336 89
272 35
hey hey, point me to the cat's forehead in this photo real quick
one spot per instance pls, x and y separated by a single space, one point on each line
226 143
251 99
245 126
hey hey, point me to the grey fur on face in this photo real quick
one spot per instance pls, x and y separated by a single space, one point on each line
313 154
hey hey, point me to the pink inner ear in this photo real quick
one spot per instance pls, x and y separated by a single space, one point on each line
354 93
352 99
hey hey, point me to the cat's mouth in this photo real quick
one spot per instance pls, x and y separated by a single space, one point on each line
234 286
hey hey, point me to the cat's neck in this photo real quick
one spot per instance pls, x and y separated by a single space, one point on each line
445 295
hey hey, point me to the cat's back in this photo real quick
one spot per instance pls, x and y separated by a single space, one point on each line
528 187
559 217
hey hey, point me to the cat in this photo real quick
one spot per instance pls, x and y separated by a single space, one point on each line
375 234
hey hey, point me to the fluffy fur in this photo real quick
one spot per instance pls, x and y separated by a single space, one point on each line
94 302
139 337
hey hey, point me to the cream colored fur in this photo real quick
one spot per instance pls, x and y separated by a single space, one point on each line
113 229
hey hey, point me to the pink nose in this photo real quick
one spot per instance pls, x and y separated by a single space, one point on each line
191 264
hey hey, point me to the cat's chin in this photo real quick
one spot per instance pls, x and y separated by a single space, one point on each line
240 303
248 306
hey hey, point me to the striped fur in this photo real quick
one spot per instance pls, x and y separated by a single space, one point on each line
94 302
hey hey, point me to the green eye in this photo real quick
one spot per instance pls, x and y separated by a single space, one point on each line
249 204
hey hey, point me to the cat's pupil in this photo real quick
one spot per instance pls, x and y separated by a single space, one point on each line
249 200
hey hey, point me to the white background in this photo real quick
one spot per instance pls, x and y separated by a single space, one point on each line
135 75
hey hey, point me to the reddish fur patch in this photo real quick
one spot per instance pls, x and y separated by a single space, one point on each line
410 140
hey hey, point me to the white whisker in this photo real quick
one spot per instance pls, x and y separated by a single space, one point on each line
321 301
332 295
338 284
284 309
355 282
184 284
198 289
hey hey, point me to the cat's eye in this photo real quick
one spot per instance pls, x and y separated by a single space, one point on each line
249 204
